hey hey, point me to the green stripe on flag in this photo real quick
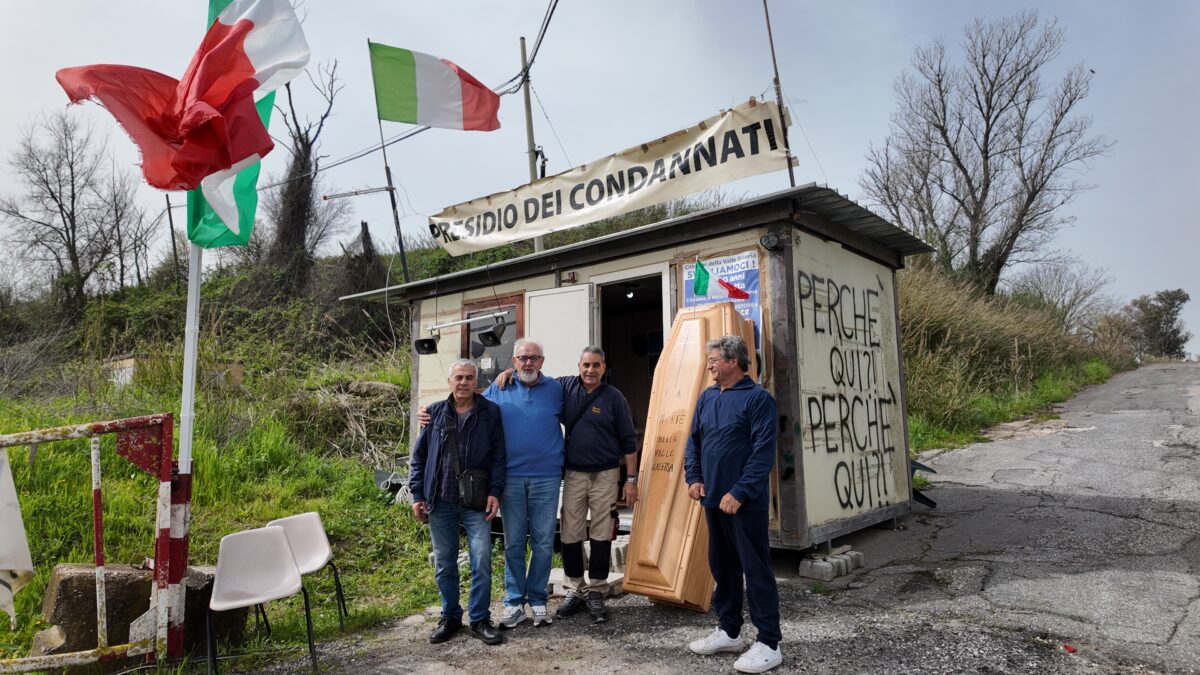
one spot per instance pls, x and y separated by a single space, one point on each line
204 227
394 71
700 283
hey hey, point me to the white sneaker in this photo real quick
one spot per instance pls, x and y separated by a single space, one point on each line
758 659
540 615
513 615
716 641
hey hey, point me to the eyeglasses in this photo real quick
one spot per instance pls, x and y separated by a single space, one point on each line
715 361
529 359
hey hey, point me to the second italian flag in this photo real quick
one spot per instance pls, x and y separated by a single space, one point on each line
421 89
700 284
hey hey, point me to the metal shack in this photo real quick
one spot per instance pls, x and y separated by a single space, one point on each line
820 273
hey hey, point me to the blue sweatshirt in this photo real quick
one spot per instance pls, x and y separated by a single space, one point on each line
604 433
532 419
732 445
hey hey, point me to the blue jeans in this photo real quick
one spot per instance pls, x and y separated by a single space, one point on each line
444 520
529 507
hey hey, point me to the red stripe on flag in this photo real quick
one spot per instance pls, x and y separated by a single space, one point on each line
734 292
479 104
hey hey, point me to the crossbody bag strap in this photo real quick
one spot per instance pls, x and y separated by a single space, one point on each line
587 403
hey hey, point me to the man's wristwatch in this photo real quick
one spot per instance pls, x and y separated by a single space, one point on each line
632 480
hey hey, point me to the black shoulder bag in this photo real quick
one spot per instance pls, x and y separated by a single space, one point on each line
473 484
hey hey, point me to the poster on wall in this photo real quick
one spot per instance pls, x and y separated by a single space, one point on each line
728 278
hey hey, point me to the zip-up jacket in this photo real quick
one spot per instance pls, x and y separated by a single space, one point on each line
484 435
732 445
604 433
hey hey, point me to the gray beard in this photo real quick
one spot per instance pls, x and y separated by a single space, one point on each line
529 379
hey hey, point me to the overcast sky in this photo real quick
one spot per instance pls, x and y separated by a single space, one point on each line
614 74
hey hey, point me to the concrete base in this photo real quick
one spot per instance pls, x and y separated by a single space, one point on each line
829 567
230 626
70 605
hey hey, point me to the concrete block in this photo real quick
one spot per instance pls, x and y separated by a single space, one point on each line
230 626
47 642
70 603
816 569
858 558
841 566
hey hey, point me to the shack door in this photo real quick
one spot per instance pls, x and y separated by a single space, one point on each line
561 319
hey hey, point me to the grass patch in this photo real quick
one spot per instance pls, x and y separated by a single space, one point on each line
989 408
249 468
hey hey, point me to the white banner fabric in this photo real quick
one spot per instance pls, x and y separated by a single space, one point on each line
738 143
16 565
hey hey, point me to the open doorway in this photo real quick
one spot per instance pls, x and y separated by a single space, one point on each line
631 334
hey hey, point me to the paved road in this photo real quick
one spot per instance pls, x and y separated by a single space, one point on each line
1080 531
1085 528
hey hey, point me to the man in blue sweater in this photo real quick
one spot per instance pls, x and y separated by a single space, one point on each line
532 412
728 466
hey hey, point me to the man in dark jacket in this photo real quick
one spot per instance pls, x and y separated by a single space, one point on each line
468 426
728 465
600 439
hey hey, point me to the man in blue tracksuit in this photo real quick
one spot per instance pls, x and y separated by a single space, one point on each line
468 426
728 466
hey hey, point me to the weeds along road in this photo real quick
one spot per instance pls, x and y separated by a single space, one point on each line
1081 531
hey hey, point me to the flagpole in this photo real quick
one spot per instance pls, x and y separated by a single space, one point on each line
191 331
787 149
391 188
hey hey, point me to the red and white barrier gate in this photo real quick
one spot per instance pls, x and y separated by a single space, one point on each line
145 442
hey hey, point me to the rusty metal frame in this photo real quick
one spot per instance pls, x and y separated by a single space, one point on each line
147 443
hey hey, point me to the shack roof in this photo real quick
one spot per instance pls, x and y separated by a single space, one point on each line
816 208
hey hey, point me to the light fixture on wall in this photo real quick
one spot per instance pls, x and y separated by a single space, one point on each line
427 345
629 289
491 337
772 241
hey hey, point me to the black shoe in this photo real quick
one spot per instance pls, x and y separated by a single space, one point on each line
573 605
595 607
446 629
484 630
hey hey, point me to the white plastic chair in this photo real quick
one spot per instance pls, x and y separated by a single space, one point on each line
306 535
253 567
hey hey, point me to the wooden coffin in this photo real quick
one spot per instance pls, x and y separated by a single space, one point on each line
667 559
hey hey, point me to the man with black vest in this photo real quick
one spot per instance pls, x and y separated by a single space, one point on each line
600 435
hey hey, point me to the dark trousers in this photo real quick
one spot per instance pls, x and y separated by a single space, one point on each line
738 548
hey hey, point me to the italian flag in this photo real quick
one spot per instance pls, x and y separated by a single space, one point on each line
202 129
700 284
421 89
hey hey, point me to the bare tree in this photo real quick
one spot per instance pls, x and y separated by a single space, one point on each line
57 222
983 156
328 218
1074 289
296 213
130 230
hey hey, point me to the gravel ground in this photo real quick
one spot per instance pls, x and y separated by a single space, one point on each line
643 637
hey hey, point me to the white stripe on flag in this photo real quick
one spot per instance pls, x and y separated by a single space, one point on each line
439 93
218 192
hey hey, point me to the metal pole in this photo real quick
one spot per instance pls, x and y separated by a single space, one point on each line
98 536
787 148
539 243
174 248
187 405
392 194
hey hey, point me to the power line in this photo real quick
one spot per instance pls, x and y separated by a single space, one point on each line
805 135
552 130
510 86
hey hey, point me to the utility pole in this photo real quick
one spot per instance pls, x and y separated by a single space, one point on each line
538 243
787 148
